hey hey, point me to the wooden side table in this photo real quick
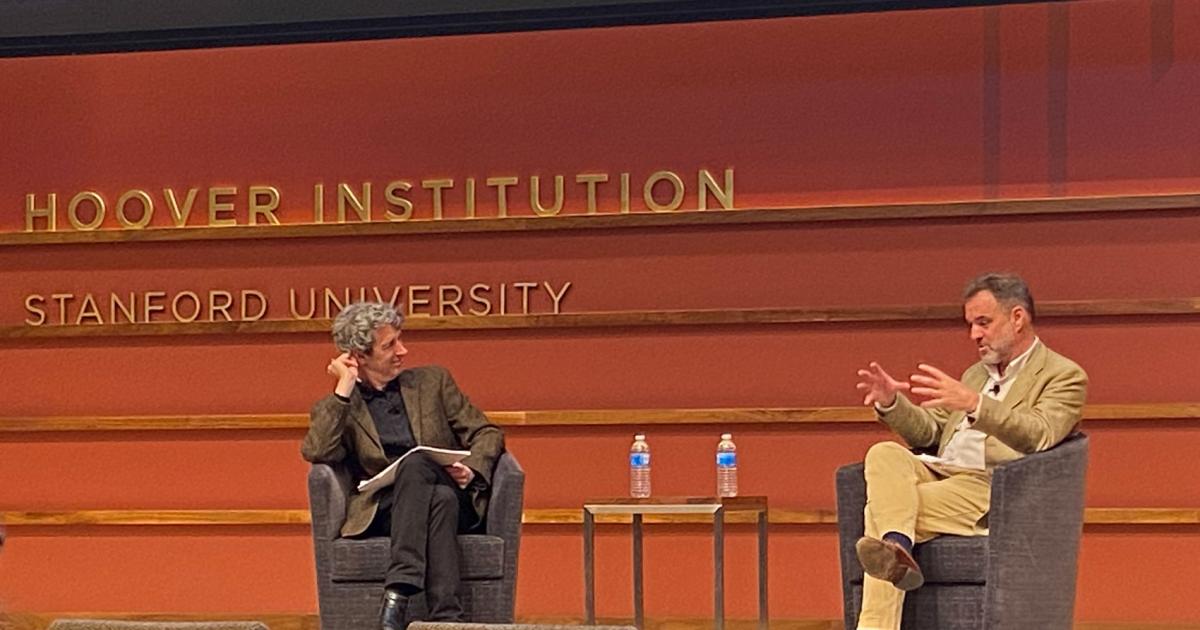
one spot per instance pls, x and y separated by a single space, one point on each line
637 508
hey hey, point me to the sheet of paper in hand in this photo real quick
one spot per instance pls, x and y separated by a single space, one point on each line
443 456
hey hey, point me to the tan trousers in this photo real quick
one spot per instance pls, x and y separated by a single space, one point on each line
906 496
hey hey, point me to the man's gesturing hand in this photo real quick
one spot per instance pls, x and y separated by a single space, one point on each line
943 391
879 386
461 473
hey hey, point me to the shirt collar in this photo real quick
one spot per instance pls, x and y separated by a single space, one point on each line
369 393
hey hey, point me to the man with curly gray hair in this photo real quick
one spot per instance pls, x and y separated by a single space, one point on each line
378 411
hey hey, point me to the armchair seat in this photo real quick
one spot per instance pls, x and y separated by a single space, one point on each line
480 557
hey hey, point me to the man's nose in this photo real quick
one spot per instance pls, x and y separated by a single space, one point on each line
401 350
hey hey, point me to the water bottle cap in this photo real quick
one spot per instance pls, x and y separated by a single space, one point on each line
726 436
639 436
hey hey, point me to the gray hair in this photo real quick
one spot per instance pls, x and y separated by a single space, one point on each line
1009 289
354 328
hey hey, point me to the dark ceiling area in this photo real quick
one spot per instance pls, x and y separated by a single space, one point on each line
57 27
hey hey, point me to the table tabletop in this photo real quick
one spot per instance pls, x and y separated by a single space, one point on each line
675 505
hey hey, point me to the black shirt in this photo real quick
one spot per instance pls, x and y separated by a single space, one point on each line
391 417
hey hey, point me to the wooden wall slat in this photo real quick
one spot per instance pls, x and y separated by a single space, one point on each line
568 417
749 216
618 319
532 516
309 621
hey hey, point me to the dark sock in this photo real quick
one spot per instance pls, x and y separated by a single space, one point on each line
899 539
407 590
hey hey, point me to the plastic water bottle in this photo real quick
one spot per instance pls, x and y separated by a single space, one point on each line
726 466
639 468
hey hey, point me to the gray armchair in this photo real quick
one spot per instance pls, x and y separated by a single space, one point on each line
350 572
1022 575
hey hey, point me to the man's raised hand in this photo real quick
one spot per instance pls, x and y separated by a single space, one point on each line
943 391
879 386
344 368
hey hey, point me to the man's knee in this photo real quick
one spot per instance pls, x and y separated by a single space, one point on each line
417 464
885 451
445 497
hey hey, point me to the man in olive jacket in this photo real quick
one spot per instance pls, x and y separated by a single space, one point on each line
1021 398
377 413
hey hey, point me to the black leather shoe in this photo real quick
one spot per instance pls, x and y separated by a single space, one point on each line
393 615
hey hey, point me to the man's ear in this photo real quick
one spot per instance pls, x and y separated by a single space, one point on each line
1020 318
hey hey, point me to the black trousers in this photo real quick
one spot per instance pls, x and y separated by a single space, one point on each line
423 515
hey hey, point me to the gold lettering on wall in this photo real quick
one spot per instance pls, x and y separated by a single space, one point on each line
147 205
676 191
395 200
361 204
48 212
590 180
400 198
480 299
535 197
95 201
217 206
501 184
264 201
437 185
180 214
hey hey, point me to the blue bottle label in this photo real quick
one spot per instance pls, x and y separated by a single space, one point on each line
639 460
726 460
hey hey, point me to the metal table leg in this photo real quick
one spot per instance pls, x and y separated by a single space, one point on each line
763 616
589 568
639 610
719 569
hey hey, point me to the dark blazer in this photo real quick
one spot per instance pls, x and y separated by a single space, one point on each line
343 433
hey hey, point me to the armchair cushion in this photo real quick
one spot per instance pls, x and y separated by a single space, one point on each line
951 560
480 558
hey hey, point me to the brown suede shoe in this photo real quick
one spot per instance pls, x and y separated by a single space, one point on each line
885 560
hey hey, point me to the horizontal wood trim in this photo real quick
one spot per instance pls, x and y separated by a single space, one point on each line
560 418
157 517
310 621
274 621
532 516
749 216
618 319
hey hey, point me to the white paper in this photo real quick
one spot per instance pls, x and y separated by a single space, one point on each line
443 456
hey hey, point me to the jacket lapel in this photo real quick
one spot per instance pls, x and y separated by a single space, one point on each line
1026 379
412 404
362 417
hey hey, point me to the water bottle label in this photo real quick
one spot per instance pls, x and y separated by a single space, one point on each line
639 460
726 460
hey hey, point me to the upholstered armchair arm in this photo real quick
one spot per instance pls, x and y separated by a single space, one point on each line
851 500
1035 523
327 501
504 519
